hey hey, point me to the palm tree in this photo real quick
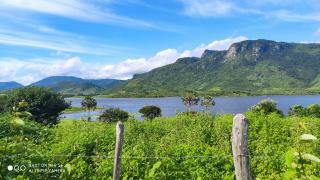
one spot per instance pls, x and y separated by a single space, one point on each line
89 104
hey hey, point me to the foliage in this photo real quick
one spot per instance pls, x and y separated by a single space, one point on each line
180 147
190 99
3 101
297 110
44 105
313 110
89 104
301 164
207 102
150 112
114 115
266 106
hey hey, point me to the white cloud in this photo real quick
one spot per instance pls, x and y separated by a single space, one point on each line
73 9
207 7
215 45
270 9
48 38
28 71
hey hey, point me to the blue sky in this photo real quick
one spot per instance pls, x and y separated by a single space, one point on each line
119 38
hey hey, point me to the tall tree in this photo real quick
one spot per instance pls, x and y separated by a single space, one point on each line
89 104
190 99
207 102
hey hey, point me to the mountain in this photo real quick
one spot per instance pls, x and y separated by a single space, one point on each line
252 67
4 86
76 86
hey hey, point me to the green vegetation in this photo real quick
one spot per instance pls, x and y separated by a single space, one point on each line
187 146
207 102
181 147
311 111
44 105
150 112
89 104
256 67
78 109
70 85
190 99
265 107
113 115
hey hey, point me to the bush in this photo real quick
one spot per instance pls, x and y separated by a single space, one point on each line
297 110
313 110
266 106
44 105
150 112
3 101
114 115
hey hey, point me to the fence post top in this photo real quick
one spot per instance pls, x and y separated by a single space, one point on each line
239 116
119 123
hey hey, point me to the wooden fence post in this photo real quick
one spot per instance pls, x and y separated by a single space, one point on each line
240 150
117 156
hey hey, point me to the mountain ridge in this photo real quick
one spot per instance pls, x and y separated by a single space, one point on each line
251 67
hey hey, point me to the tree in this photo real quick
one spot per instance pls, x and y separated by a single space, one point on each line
45 106
113 115
3 101
266 106
313 110
190 99
297 110
207 102
150 112
89 104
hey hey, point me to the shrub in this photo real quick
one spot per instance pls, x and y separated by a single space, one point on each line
45 106
114 115
89 104
190 99
313 110
207 102
3 101
297 110
150 112
266 106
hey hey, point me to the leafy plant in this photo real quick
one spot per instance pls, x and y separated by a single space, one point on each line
266 106
297 110
44 105
150 112
207 102
113 115
313 110
89 104
300 163
190 99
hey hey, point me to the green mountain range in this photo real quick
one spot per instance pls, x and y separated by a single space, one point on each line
5 86
252 67
70 85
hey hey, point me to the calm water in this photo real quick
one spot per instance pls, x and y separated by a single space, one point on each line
171 105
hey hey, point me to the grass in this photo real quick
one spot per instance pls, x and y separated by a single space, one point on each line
78 109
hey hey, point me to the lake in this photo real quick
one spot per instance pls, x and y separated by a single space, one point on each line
171 105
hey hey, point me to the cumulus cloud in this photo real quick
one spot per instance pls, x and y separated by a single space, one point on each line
28 71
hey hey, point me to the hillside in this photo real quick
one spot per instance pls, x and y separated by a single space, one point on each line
251 67
4 86
76 86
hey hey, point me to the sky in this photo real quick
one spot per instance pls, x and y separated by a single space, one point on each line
97 39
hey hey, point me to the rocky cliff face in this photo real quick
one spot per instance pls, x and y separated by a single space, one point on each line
253 50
